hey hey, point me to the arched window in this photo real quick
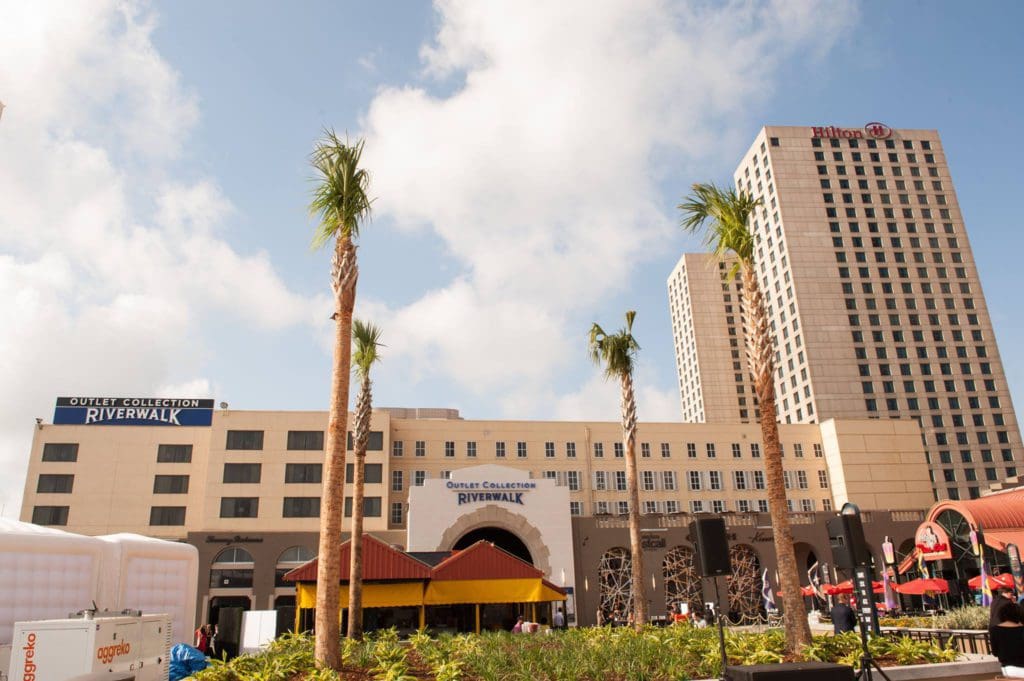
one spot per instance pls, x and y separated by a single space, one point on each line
232 569
290 559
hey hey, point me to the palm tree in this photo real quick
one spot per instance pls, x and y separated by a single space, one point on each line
617 353
341 204
366 338
724 216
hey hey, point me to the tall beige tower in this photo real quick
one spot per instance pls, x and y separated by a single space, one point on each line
874 295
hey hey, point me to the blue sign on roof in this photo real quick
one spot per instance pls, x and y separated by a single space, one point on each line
132 411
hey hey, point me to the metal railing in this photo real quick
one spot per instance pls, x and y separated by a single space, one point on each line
964 640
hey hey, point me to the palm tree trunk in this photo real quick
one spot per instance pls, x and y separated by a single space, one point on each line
361 435
629 422
328 578
761 358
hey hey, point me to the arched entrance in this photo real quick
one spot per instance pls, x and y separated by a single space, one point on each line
502 538
493 517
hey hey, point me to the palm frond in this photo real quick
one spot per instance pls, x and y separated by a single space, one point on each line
616 353
723 215
339 198
366 343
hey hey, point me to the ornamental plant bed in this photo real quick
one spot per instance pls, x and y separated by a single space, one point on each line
585 654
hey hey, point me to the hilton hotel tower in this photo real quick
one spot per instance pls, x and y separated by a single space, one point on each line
874 298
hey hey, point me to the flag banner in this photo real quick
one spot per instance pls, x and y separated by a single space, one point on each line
766 592
986 587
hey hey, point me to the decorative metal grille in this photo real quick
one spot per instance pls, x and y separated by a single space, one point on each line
682 584
615 575
745 581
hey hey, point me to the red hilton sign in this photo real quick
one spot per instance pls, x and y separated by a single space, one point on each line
874 130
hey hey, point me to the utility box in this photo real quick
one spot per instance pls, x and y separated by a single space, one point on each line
56 650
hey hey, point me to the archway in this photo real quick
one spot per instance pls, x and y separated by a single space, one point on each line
744 582
615 573
492 516
682 584
503 539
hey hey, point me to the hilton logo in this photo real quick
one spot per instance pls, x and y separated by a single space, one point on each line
874 130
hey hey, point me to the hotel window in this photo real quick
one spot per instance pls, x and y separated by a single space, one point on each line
62 484
645 450
570 450
668 480
826 504
421 448
306 439
303 472
549 450
601 508
762 505
396 512
396 448
169 484
573 480
245 439
787 477
696 506
301 507
447 475
173 454
807 505
418 477
499 450
550 475
50 515
449 449
798 451
371 507
166 516
617 448
521 450
650 507
818 451
620 481
743 506
693 480
374 441
239 507
691 450
600 480
666 450
671 506
758 479
717 506
710 449
755 450
397 481
648 480
60 451
714 480
739 480
598 450
822 479
471 450
623 507
737 451
801 479
241 473
576 508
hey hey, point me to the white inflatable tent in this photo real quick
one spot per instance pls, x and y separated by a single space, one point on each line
47 573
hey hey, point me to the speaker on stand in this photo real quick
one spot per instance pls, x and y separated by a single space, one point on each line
712 548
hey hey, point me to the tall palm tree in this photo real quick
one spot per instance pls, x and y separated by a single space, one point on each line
366 338
616 353
724 216
341 204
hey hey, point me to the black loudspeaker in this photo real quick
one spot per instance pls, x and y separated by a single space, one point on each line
846 536
797 671
708 535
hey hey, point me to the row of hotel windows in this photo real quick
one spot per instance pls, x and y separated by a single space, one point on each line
854 143
309 507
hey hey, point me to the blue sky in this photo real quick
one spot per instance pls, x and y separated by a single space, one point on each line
527 158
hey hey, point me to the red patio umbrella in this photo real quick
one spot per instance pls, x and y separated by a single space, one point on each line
917 587
847 588
804 591
1004 580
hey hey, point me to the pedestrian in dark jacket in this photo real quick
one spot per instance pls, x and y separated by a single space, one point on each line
843 618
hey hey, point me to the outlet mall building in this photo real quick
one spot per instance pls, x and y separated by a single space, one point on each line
244 488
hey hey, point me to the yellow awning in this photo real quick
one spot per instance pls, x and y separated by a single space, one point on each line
532 590
374 595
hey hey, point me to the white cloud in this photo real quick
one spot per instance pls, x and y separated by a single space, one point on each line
98 288
538 169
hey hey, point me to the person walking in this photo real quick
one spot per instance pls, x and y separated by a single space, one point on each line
1001 598
1007 637
559 619
842 616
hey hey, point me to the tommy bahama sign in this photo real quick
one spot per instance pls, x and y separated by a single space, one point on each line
873 130
132 411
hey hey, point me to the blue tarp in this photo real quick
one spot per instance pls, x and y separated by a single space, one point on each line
186 661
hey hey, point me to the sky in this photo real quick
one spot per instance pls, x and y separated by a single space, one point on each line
526 161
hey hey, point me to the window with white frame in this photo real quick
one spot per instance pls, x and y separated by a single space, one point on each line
499 450
691 450
446 475
755 450
573 480
710 447
598 450
737 451
743 505
762 505
787 477
602 508
668 480
396 448
807 505
397 481
714 480
645 450
696 506
550 475
449 449
617 448
790 505
693 480
570 450
396 512
758 479
421 448
823 479
671 506
549 450
418 477
798 451
623 507
717 506
666 450
600 480
575 508
801 479
818 451
471 450
739 479
521 450
826 504
650 507
620 481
